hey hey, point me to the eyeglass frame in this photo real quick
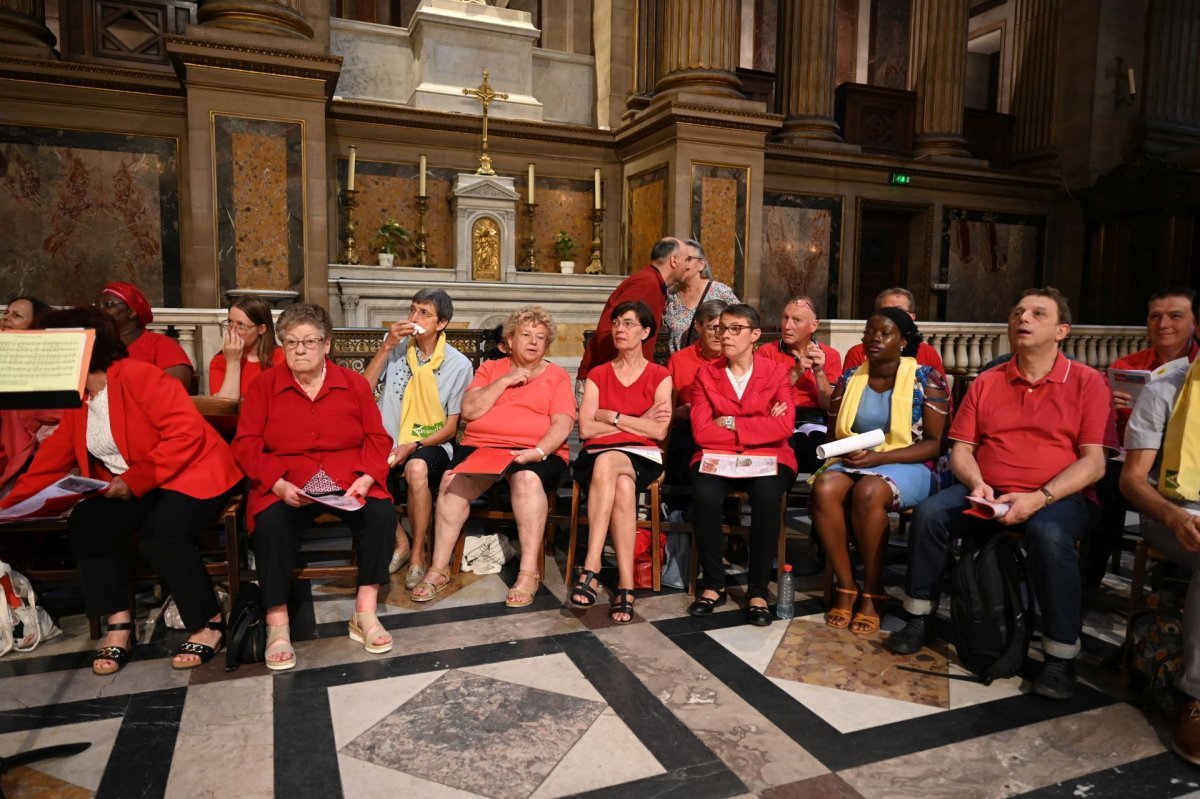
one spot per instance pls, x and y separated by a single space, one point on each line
242 326
735 329
290 344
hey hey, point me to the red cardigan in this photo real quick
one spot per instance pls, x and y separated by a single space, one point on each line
713 395
157 429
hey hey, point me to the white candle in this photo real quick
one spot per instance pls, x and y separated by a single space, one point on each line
1132 85
597 189
531 194
350 170
421 184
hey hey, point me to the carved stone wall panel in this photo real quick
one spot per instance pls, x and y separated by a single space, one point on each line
127 32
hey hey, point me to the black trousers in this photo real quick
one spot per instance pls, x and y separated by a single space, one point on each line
166 522
680 449
708 497
276 540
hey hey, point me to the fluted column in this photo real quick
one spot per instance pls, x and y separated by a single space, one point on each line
647 68
937 73
1035 54
277 17
1171 80
700 47
806 63
23 28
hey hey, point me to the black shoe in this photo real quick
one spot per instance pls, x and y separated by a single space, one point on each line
1057 680
758 615
704 606
912 637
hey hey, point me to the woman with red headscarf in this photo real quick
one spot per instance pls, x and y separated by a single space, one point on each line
130 309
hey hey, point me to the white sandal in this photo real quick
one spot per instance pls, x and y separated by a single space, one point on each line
364 622
279 639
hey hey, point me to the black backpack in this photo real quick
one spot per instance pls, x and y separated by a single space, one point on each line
990 609
247 637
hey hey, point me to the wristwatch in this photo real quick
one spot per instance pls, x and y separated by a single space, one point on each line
616 418
1049 497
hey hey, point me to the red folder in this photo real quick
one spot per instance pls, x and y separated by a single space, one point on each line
485 462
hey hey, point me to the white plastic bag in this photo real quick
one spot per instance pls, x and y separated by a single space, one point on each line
18 606
486 554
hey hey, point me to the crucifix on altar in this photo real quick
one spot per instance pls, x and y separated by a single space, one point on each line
486 95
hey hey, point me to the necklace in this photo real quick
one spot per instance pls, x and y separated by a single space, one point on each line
311 393
739 383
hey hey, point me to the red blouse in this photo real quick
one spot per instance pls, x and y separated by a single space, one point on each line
632 400
250 370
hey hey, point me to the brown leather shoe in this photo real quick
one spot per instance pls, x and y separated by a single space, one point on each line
1187 732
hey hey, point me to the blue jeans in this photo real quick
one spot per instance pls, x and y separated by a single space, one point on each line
1049 538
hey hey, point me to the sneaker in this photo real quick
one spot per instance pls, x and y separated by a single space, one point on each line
912 637
1057 680
398 560
1187 732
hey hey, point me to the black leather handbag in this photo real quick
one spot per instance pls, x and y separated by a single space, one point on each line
247 637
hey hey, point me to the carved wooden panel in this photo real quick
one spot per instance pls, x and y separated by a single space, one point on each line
125 32
989 136
878 119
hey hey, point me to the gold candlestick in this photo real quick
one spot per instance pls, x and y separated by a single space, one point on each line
349 202
529 262
422 250
595 267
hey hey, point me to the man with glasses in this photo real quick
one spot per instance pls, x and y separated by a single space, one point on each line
130 309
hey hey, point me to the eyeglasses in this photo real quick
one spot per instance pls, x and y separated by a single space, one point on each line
108 304
628 324
715 327
309 343
694 258
237 326
734 329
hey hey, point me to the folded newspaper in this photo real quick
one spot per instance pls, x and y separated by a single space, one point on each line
739 464
55 501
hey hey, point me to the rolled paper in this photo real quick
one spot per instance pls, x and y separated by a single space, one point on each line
597 192
531 184
350 169
867 440
421 183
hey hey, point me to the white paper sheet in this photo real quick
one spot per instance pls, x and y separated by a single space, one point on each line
868 440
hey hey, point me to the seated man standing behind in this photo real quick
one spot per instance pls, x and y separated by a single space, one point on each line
1029 434
1157 438
902 298
814 367
424 380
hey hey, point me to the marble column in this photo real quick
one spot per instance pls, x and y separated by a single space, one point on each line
937 73
1170 84
279 18
806 59
647 67
23 28
1035 55
700 47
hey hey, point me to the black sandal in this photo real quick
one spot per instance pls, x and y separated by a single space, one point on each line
758 615
116 654
622 604
704 606
202 651
582 588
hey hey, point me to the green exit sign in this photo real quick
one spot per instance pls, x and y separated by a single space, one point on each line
900 179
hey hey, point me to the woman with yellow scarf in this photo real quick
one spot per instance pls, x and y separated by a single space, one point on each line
889 392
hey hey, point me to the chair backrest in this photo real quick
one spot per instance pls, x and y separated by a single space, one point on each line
219 412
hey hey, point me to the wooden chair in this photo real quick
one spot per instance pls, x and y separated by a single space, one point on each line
490 508
653 522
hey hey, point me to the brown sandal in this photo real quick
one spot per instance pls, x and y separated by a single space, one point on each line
840 618
869 621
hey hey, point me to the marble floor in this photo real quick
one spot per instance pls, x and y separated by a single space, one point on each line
547 701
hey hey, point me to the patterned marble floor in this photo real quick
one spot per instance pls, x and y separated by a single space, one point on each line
478 700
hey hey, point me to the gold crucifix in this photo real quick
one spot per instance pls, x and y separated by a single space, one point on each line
485 94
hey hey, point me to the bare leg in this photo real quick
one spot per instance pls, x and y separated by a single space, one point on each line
530 509
420 507
869 505
365 602
829 520
624 529
600 509
454 506
121 638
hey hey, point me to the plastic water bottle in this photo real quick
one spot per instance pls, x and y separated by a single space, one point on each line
785 607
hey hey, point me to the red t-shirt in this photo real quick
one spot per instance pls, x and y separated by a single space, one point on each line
804 390
1142 359
1026 433
521 414
632 400
645 286
926 356
683 365
250 370
162 351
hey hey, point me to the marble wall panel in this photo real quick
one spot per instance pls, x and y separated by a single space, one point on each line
719 204
388 190
847 41
802 242
260 203
562 204
988 259
81 208
647 221
890 24
765 36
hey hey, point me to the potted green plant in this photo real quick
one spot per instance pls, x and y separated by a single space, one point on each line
392 239
564 248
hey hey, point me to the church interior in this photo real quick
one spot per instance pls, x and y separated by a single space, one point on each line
964 149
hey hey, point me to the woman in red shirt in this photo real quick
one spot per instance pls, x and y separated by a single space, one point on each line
524 404
247 349
626 402
308 430
741 402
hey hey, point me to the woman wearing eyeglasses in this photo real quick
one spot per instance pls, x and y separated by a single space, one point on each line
247 348
740 402
306 430
130 309
695 286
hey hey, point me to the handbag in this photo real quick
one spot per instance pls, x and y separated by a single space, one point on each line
23 624
247 637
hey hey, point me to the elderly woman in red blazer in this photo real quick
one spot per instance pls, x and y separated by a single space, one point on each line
309 428
740 402
169 474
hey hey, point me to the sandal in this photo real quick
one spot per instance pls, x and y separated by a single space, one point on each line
583 587
117 654
868 622
202 651
412 578
434 588
840 618
364 622
704 605
279 639
622 604
758 615
519 598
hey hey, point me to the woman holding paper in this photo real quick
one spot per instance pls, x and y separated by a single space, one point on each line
520 408
308 431
168 473
740 403
247 348
891 393
22 431
626 404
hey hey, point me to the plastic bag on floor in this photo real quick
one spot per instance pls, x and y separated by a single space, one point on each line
23 625
486 554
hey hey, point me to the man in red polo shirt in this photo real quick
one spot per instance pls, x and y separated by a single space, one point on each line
902 298
1029 434
815 368
668 261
